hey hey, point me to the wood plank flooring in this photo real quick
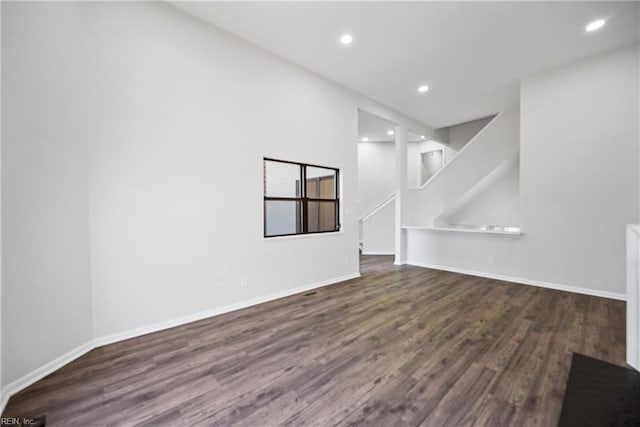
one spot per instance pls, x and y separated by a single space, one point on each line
400 346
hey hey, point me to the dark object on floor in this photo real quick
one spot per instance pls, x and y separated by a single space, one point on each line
38 422
600 394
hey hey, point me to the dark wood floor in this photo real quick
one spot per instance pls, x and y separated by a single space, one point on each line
399 346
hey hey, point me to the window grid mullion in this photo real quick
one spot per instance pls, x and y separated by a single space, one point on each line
305 205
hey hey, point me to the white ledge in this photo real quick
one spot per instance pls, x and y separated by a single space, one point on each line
503 230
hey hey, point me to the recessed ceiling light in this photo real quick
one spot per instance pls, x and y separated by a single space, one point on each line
346 39
422 136
365 139
390 132
423 89
595 25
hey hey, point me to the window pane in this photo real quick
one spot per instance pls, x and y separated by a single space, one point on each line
282 217
281 179
321 183
321 216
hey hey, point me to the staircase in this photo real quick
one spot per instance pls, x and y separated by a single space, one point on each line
376 228
478 165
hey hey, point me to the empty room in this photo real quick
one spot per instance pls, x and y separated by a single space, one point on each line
320 213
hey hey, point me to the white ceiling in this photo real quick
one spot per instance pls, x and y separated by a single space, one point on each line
471 54
375 129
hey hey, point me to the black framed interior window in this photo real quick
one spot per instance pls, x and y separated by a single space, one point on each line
300 198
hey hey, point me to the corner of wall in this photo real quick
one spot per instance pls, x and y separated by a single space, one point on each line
441 135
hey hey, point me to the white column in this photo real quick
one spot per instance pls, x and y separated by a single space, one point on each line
633 295
400 190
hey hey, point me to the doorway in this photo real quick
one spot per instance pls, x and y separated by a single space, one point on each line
376 185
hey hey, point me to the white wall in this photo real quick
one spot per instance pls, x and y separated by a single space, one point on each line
458 135
497 142
132 154
180 116
378 232
431 162
376 169
633 295
376 174
452 139
414 149
579 168
376 183
578 183
498 204
46 292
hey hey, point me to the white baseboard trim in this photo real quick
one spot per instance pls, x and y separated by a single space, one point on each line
41 372
378 253
133 333
555 286
46 369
